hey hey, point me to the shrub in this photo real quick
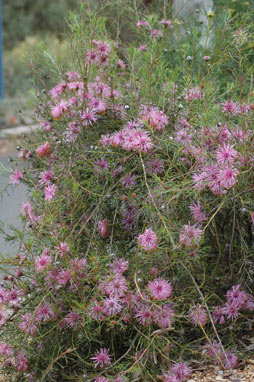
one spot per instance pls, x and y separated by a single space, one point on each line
137 248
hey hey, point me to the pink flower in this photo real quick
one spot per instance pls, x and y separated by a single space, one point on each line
226 153
196 212
50 191
43 261
45 177
112 306
155 118
190 235
198 315
167 23
159 289
101 358
119 265
21 362
144 315
148 240
63 248
72 320
88 117
43 150
163 317
44 312
28 326
142 23
227 176
181 370
15 177
101 379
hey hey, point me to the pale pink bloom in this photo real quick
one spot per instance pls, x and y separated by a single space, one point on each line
144 315
50 191
183 137
181 370
43 150
3 316
190 235
58 110
29 325
230 361
198 315
156 32
102 163
97 104
226 153
206 58
227 176
15 177
47 126
218 315
88 117
63 248
92 56
142 23
196 211
101 358
235 295
163 317
230 107
119 265
57 90
155 118
27 212
115 286
159 289
96 311
121 64
166 22
72 320
112 306
45 177
231 310
194 93
21 362
72 76
44 312
128 181
43 261
6 349
148 240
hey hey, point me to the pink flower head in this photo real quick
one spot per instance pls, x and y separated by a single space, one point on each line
167 23
163 317
72 320
190 235
196 212
101 358
159 289
29 325
63 248
236 295
50 191
44 312
198 315
181 370
88 117
45 177
15 177
119 265
21 362
43 150
227 176
226 153
43 261
112 306
155 118
148 240
156 32
142 23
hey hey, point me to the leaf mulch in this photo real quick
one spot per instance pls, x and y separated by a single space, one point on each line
245 373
